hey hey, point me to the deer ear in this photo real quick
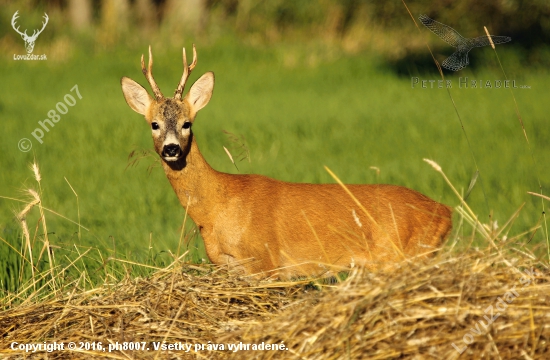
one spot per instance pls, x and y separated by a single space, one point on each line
201 91
136 96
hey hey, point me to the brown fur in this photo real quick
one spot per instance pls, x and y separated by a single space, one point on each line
269 227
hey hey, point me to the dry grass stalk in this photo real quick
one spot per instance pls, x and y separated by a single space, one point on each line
22 217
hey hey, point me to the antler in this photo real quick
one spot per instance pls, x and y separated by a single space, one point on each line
149 75
186 72
13 19
43 26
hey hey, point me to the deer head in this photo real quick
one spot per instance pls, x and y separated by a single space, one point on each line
170 118
29 40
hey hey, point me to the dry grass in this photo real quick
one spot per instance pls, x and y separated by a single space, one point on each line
193 304
469 303
417 311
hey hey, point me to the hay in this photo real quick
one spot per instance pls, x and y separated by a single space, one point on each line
417 311
183 306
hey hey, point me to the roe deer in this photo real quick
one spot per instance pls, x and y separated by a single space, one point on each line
267 227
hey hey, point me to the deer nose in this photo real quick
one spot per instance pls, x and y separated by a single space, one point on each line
171 150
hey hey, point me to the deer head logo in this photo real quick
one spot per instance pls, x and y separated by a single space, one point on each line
29 40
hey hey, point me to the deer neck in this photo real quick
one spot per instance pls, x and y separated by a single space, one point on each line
195 183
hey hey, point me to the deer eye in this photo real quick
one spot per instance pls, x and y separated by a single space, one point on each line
186 125
155 126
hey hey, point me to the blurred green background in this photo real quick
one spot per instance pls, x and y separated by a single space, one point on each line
300 84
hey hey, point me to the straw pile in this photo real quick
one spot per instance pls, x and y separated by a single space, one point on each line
417 311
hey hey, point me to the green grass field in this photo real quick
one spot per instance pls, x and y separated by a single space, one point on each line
297 109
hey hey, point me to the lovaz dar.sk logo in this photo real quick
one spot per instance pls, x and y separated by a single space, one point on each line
29 40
